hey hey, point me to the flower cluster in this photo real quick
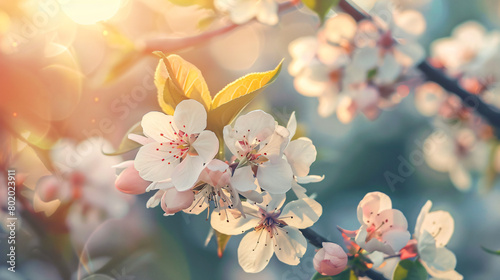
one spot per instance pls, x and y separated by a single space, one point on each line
384 235
470 56
185 164
358 67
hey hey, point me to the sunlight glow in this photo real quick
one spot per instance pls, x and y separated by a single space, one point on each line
90 11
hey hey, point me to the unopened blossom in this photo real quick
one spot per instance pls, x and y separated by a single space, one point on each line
258 142
457 151
300 154
273 230
129 181
383 229
180 146
330 260
432 233
242 11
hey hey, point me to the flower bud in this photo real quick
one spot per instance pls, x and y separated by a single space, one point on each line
330 260
130 182
174 201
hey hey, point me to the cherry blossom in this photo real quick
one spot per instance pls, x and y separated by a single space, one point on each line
383 229
181 146
330 260
241 11
258 143
432 232
275 230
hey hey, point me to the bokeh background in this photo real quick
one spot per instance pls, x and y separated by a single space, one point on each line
75 73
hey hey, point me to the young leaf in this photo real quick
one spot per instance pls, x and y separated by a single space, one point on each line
177 80
127 145
410 270
320 7
344 275
491 251
232 99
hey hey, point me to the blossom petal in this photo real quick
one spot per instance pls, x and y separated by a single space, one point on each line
155 162
206 145
190 116
187 172
301 213
243 179
255 126
397 239
174 201
300 154
289 245
158 126
372 204
129 181
268 12
275 175
155 199
255 251
310 179
234 226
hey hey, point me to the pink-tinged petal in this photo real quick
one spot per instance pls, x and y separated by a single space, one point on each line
130 182
347 109
174 201
389 219
155 162
216 173
271 202
328 101
332 55
301 213
313 80
243 179
428 98
242 11
255 126
409 22
187 172
255 251
300 154
302 51
409 54
206 145
190 116
289 244
140 139
268 12
397 239
200 202
158 126
460 177
330 260
372 204
410 250
275 175
161 185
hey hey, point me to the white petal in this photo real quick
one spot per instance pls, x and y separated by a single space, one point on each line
243 11
312 80
397 239
421 218
230 140
190 116
255 251
206 145
292 125
275 144
158 126
303 51
366 58
234 226
299 190
301 213
410 22
300 154
409 54
310 179
256 125
154 162
187 172
461 177
268 12
155 199
289 245
275 175
445 260
389 70
340 27
440 225
243 179
271 202
328 101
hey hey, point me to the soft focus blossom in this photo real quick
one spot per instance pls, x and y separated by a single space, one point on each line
241 11
275 230
330 260
181 146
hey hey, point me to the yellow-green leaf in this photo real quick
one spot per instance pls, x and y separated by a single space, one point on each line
177 80
127 145
232 99
208 4
320 7
222 240
410 270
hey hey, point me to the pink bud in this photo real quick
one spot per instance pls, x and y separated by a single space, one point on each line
130 182
330 260
174 201
410 250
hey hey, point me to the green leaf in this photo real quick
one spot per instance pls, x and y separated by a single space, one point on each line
344 275
321 7
410 270
493 252
127 145
207 4
222 240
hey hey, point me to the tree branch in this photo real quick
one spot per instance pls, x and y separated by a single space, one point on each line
170 45
489 113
